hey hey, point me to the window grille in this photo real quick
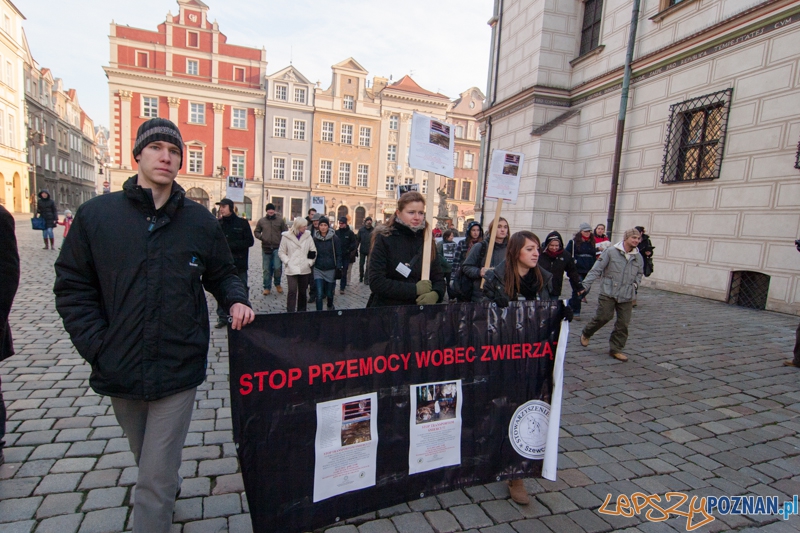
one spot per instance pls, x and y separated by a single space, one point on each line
696 138
749 289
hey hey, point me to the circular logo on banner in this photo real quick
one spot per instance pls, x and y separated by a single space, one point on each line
528 429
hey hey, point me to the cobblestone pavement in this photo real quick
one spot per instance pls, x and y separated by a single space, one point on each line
703 407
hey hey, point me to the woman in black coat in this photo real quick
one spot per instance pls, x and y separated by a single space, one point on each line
583 248
473 266
46 208
519 276
329 257
557 261
395 270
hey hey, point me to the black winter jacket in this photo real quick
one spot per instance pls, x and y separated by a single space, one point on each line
364 237
240 238
129 287
349 244
46 207
9 274
495 291
472 265
563 262
329 251
584 253
397 244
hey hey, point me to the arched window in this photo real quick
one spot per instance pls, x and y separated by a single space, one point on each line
198 195
341 212
361 214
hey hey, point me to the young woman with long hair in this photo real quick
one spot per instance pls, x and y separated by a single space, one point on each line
473 267
395 272
329 250
519 276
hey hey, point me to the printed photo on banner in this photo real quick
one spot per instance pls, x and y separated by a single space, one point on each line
235 189
432 144
511 166
440 134
435 428
402 189
346 445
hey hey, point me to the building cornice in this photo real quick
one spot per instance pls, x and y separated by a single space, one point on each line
181 82
413 97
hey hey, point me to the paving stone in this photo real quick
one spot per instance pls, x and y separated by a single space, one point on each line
557 502
129 476
217 467
471 516
425 504
216 525
64 466
86 448
18 454
53 483
240 523
188 469
60 524
228 484
35 468
105 521
531 526
18 509
104 498
501 511
59 504
412 523
200 486
378 526
450 499
73 435
188 510
223 505
37 437
99 478
479 493
18 527
17 488
442 521
342 529
116 460
589 521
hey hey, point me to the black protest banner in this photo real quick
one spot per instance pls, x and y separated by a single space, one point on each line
344 412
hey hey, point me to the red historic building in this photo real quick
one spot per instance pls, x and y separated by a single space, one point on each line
186 71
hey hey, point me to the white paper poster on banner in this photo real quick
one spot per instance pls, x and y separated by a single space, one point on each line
235 189
432 145
402 189
504 175
346 445
318 203
435 428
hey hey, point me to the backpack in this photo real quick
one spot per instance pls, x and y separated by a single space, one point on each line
461 286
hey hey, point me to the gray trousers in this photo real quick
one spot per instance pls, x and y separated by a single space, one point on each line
156 432
605 312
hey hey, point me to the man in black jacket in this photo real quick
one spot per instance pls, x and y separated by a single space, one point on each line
9 273
240 239
364 238
349 247
129 287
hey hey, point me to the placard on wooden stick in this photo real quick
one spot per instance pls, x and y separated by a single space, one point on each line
503 184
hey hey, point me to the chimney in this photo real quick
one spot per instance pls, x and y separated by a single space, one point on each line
378 83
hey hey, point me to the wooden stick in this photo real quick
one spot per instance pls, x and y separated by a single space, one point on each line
426 251
492 238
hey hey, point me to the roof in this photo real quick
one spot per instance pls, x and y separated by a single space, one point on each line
407 84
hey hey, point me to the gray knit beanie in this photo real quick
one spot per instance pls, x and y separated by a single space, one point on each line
157 129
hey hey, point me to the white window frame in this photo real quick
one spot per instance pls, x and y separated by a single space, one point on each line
326 171
365 136
12 139
197 116
234 165
344 172
191 165
469 159
327 133
298 169
196 63
343 136
391 152
456 156
348 102
281 92
460 131
304 95
389 183
149 111
394 122
236 122
279 168
279 127
362 175
299 130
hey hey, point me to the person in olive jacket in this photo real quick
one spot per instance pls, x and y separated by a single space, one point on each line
364 238
557 261
240 238
46 208
395 272
129 288
9 273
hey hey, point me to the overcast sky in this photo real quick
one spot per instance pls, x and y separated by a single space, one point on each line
444 44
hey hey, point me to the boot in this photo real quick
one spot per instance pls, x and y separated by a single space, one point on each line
518 493
52 244
45 243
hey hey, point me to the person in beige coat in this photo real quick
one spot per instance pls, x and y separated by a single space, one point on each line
297 252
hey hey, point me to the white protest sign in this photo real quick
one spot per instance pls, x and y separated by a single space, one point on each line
504 175
432 145
235 189
402 189
318 203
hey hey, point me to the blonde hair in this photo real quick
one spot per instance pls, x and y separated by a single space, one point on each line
298 223
631 233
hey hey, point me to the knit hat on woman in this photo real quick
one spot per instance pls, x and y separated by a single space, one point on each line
157 129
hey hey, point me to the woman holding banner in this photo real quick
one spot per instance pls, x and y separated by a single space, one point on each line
473 266
395 272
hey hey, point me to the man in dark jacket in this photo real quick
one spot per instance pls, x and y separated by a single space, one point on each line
9 273
268 231
46 208
129 287
240 239
349 248
364 239
557 261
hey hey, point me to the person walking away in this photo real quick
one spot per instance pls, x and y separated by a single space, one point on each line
297 252
135 309
601 240
364 238
445 253
795 362
395 272
519 277
67 223
646 249
240 238
583 248
268 230
473 267
558 261
621 268
9 273
46 209
349 243
329 249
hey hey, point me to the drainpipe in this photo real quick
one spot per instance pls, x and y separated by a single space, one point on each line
491 96
264 154
623 108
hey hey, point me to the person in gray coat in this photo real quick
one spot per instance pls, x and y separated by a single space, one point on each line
621 267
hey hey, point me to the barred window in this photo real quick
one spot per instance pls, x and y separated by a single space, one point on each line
325 171
696 138
344 173
590 29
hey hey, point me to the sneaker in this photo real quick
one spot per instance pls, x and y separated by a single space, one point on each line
791 363
279 289
518 493
220 324
619 356
584 340
265 292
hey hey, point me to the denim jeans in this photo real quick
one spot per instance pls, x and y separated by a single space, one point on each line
272 267
47 233
325 289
